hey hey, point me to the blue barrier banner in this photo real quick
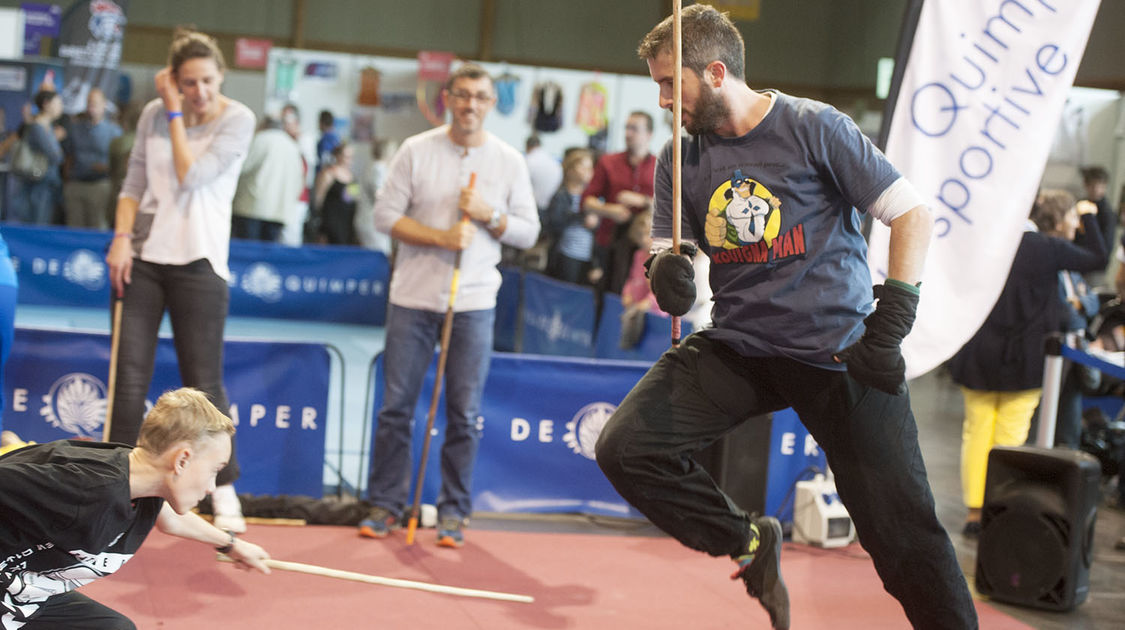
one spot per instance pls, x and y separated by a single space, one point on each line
794 456
346 285
656 339
66 267
55 389
58 266
506 326
558 317
541 417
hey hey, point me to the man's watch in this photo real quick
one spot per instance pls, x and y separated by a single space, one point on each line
230 543
494 220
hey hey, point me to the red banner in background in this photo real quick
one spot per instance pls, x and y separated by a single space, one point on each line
252 53
434 65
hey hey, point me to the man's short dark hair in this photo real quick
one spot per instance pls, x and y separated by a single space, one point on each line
532 142
1094 175
707 36
647 116
326 118
467 71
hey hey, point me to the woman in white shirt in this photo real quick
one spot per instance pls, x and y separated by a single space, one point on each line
172 239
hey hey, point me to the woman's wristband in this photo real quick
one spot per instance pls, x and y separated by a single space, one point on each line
128 235
230 543
174 115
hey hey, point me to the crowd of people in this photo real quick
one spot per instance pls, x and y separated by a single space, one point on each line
277 198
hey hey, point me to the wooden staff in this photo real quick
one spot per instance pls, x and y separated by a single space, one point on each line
312 569
446 333
677 148
111 384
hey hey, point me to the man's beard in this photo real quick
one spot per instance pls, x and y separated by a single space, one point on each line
710 112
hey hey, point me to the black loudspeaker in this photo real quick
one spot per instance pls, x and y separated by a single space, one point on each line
739 462
1037 526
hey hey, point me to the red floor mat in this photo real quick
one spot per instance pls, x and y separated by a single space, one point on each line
578 581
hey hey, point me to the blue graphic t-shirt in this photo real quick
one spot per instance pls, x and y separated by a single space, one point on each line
775 210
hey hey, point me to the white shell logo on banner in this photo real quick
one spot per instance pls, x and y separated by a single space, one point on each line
583 430
262 280
76 404
85 268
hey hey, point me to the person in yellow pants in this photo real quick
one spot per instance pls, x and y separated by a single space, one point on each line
991 419
1000 370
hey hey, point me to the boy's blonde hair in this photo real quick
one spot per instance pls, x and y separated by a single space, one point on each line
182 415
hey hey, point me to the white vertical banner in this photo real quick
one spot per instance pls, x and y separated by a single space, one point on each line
981 95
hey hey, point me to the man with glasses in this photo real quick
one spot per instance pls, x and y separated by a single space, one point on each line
621 188
452 193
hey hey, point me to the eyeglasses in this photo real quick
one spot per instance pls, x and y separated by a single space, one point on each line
462 95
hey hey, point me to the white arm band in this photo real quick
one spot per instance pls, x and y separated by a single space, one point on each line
661 244
898 199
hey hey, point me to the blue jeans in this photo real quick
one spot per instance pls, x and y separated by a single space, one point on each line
33 202
411 337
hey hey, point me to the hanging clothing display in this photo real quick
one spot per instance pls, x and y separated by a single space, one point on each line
593 101
506 85
547 107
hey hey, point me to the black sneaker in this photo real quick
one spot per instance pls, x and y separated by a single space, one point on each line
762 575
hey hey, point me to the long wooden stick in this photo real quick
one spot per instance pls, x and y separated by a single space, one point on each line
312 569
111 382
677 121
443 352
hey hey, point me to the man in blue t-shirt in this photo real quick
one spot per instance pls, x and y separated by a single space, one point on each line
771 189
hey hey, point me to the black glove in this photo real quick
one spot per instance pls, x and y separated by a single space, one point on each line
876 359
672 279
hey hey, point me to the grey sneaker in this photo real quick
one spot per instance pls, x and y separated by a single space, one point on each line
762 574
449 532
380 522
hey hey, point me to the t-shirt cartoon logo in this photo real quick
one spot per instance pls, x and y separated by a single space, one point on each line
742 211
744 220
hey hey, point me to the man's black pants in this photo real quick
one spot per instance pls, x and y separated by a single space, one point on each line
697 392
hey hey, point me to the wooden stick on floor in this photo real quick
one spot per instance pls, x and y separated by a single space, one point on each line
312 569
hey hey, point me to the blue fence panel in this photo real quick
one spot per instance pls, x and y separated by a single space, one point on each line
55 389
66 267
558 317
656 339
505 335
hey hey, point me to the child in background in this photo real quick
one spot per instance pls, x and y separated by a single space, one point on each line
636 295
568 230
